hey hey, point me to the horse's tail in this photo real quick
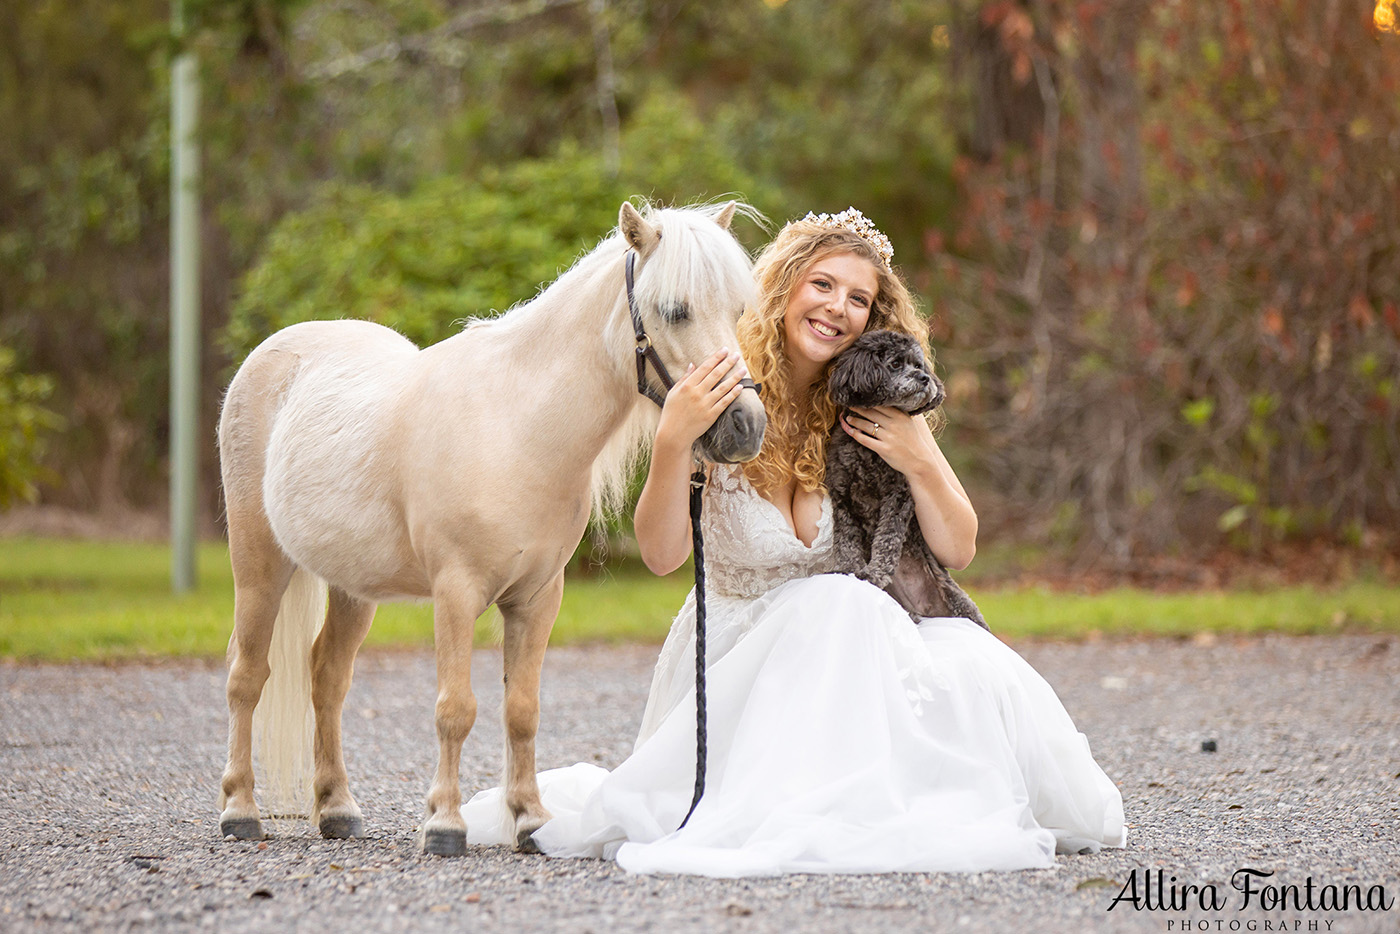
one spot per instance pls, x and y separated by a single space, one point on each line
283 728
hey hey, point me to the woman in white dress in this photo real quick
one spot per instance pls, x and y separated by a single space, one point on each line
841 737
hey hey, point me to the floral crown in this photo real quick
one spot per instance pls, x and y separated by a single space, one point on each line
858 224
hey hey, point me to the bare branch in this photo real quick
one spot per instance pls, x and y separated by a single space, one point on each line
428 43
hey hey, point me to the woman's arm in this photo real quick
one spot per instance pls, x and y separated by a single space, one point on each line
662 519
946 517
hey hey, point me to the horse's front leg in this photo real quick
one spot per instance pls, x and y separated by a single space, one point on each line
527 627
332 666
456 606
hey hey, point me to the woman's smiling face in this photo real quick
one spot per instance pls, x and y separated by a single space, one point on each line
827 311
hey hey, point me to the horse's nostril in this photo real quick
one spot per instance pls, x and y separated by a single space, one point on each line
736 436
749 425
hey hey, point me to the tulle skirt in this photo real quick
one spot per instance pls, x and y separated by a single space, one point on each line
842 738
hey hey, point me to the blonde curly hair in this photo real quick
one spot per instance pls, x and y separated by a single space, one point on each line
794 444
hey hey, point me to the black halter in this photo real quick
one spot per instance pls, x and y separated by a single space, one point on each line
646 352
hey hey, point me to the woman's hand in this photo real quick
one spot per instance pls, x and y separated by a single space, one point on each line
902 440
947 520
662 518
699 398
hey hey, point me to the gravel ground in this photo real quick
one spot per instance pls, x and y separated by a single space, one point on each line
108 779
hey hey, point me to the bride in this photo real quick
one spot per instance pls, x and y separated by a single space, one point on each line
842 737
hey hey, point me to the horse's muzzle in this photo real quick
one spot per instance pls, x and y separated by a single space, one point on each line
737 434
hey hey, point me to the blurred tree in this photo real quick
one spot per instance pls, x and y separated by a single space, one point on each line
82 179
1180 290
1158 239
842 102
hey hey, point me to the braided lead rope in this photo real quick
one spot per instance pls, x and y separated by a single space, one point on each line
645 353
697 489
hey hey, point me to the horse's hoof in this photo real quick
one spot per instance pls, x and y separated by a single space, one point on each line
440 841
241 828
345 827
525 841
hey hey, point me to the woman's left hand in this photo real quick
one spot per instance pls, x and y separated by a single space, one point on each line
905 442
901 439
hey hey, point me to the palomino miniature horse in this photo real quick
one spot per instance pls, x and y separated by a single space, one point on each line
355 463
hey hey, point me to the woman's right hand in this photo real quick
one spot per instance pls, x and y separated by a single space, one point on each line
662 518
699 398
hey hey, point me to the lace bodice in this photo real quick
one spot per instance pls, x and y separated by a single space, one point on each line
749 547
749 550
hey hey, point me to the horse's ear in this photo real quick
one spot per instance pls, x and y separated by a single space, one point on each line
726 215
640 235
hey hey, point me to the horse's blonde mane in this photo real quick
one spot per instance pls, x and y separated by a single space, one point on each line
695 257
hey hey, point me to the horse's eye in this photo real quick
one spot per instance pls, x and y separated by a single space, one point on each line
675 312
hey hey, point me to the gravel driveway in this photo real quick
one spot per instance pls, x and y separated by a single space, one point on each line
108 781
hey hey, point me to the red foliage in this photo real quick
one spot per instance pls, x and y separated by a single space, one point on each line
1230 174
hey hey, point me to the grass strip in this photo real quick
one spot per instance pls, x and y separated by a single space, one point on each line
81 600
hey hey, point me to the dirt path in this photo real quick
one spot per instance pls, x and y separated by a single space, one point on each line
108 779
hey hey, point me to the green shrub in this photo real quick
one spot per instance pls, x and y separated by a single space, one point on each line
454 248
23 422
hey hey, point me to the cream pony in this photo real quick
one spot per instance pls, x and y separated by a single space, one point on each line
358 469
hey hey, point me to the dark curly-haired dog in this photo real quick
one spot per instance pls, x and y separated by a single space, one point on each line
876 532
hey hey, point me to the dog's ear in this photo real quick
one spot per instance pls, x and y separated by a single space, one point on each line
857 377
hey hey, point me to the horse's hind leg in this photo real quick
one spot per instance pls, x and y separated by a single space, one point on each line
456 606
332 666
527 628
261 573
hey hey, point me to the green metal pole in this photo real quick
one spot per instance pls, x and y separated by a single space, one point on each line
184 309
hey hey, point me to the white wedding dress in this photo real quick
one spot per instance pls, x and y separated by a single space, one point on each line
842 737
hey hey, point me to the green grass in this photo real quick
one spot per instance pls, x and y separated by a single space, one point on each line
99 600
1356 606
94 600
